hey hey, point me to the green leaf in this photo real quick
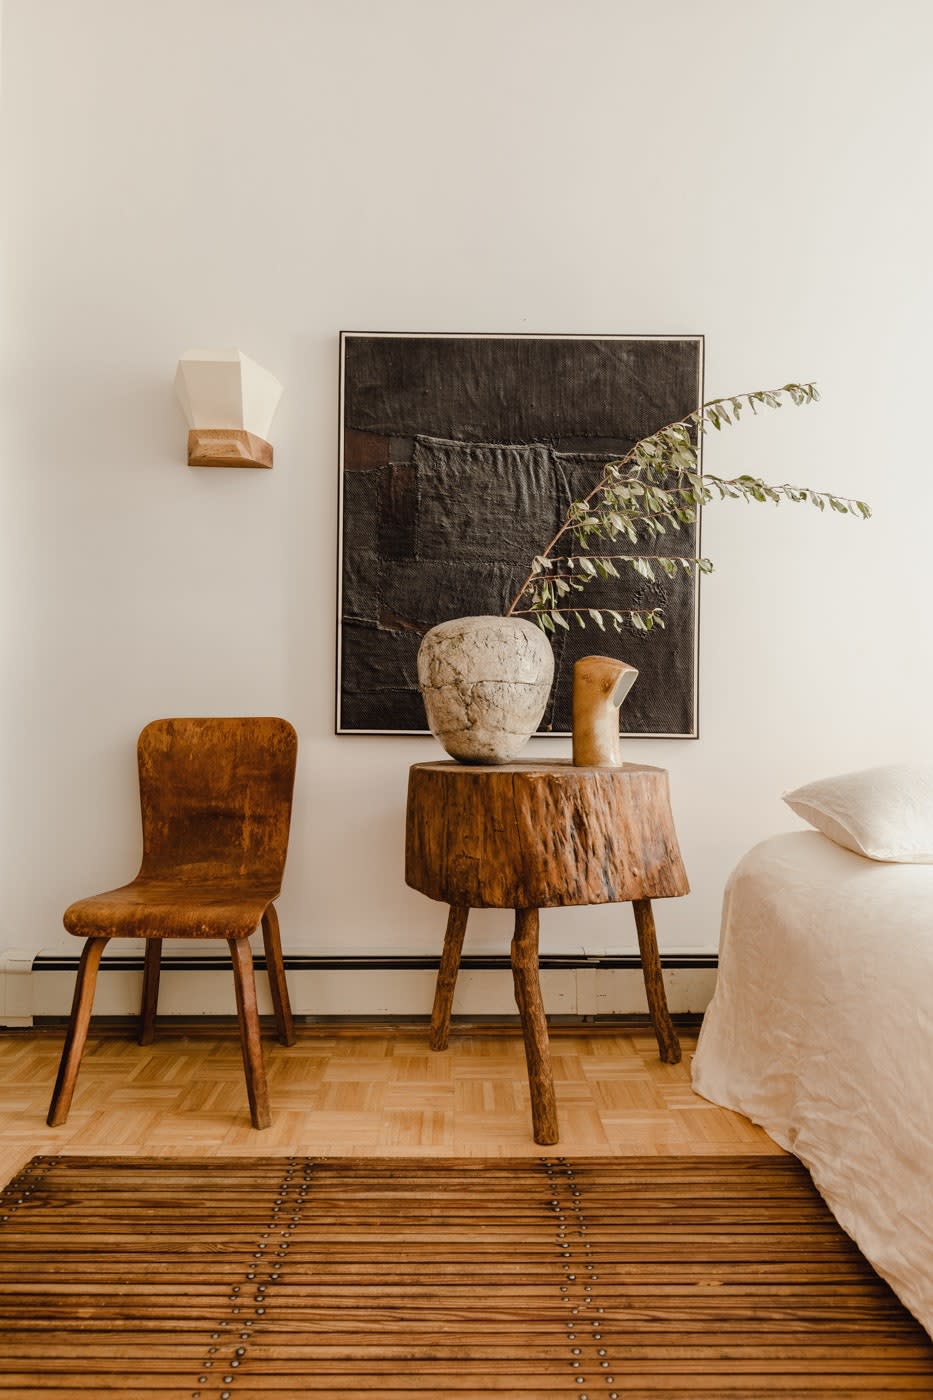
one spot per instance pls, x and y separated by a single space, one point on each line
658 485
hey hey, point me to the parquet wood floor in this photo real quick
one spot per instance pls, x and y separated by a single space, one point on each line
361 1091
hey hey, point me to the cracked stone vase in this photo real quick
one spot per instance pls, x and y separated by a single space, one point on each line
485 682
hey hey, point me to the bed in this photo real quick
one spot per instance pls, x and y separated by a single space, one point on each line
821 1031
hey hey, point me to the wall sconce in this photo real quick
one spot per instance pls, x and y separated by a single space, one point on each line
229 402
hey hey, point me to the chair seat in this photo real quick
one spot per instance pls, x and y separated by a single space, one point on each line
149 908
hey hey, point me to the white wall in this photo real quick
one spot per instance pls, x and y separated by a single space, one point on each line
265 173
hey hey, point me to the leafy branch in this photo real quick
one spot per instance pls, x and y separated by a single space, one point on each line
655 489
642 619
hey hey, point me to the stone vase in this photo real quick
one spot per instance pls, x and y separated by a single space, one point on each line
485 682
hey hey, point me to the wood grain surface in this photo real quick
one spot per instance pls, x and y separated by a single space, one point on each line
363 1090
215 801
254 1277
447 978
541 835
668 1044
227 447
524 957
527 836
215 797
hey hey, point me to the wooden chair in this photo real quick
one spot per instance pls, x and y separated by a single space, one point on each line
216 797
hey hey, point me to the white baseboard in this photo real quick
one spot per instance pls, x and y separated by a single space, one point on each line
16 987
199 983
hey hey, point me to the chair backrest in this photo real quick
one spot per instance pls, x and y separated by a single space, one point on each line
216 797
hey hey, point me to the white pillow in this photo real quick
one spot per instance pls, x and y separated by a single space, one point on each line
883 813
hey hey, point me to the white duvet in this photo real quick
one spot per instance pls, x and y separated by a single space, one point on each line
821 1030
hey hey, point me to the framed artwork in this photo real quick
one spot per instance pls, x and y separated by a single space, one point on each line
459 455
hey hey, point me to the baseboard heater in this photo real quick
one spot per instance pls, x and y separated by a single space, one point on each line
310 962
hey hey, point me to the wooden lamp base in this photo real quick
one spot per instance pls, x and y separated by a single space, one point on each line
227 447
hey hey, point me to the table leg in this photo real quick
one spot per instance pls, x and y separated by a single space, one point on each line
534 1026
668 1044
447 977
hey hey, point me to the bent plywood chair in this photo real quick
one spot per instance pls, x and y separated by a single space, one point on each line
216 798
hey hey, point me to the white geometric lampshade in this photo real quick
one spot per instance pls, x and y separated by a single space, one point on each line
229 402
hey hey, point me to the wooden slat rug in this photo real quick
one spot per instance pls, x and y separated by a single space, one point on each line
226 1279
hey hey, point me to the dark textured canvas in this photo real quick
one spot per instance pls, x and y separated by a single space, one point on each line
460 455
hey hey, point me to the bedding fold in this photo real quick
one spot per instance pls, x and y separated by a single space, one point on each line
821 1031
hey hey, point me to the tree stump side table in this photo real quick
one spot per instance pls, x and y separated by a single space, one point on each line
530 836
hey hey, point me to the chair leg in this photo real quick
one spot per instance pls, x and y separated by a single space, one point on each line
77 1032
447 977
244 980
150 998
272 943
666 1036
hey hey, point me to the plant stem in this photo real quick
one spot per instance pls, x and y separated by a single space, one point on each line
695 417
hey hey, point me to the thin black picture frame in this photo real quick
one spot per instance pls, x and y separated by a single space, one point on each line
346 338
